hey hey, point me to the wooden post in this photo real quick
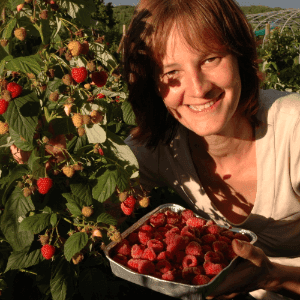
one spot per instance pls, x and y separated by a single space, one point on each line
122 41
267 30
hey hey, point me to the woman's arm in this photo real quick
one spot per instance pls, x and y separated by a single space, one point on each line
258 272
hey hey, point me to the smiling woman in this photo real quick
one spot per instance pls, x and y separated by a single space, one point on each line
205 129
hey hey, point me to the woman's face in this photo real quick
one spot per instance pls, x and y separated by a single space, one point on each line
200 89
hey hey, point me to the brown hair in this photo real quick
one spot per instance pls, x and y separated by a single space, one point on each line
209 24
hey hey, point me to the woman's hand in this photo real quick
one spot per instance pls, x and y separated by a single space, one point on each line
256 272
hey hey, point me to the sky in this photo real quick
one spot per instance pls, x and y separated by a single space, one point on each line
270 3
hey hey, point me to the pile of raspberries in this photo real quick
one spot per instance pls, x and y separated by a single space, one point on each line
178 247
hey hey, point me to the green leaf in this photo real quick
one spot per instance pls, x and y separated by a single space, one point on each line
63 126
8 31
74 209
107 219
22 115
46 31
128 114
17 206
24 259
61 282
35 223
83 192
26 64
53 220
104 56
20 143
95 134
74 244
105 186
38 169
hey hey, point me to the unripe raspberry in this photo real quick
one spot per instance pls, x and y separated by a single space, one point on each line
116 237
26 192
6 95
67 79
87 86
44 239
4 42
75 48
97 233
78 167
70 100
91 66
4 128
77 120
77 258
144 202
96 116
68 108
45 139
44 15
20 33
68 171
81 131
85 48
87 211
68 55
54 96
86 119
50 73
20 7
30 75
123 196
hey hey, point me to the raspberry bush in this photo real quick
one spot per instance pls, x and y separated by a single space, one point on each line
64 167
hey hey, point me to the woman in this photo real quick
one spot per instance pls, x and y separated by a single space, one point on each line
205 129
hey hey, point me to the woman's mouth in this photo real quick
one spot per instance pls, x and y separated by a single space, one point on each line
206 105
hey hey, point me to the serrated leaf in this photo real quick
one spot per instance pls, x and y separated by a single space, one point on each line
53 220
21 143
17 206
22 115
7 32
3 62
37 168
74 209
128 114
95 134
35 223
61 282
46 31
106 184
107 219
122 180
63 126
26 64
83 192
74 244
103 56
24 259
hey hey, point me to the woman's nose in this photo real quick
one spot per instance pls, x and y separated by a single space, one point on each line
197 85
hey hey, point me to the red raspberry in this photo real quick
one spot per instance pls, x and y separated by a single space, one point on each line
224 239
214 257
163 266
208 239
178 256
44 185
48 251
133 264
126 210
3 106
133 238
220 246
162 230
137 250
206 248
187 214
188 231
196 222
189 261
99 78
211 268
123 248
194 248
149 254
176 243
200 280
79 74
164 255
190 272
158 220
170 275
158 236
230 255
146 267
229 234
241 237
121 259
14 89
213 229
172 217
156 245
100 96
130 201
145 234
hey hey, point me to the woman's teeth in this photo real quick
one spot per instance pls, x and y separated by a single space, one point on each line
204 106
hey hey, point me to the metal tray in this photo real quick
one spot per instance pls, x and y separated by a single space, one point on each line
170 288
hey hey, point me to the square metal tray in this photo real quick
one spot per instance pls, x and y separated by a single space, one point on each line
170 288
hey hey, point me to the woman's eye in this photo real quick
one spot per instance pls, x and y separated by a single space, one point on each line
211 60
171 74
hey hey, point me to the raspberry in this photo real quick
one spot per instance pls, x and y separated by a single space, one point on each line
44 239
145 234
20 33
170 275
67 79
176 243
75 48
193 248
130 201
144 202
224 239
229 234
146 267
68 171
196 222
14 89
133 264
4 128
163 266
149 254
200 280
220 246
214 257
48 251
100 96
26 192
81 131
77 120
208 239
91 67
188 231
187 214
100 151
156 245
189 261
178 256
126 210
20 7
86 119
77 258
6 95
96 117
99 78
123 248
79 74
137 250
133 238
44 185
158 220
213 229
4 42
190 272
87 211
54 96
211 268
43 15
172 217
85 48
230 255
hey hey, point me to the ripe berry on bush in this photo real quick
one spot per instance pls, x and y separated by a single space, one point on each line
79 74
3 106
14 89
44 185
48 251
